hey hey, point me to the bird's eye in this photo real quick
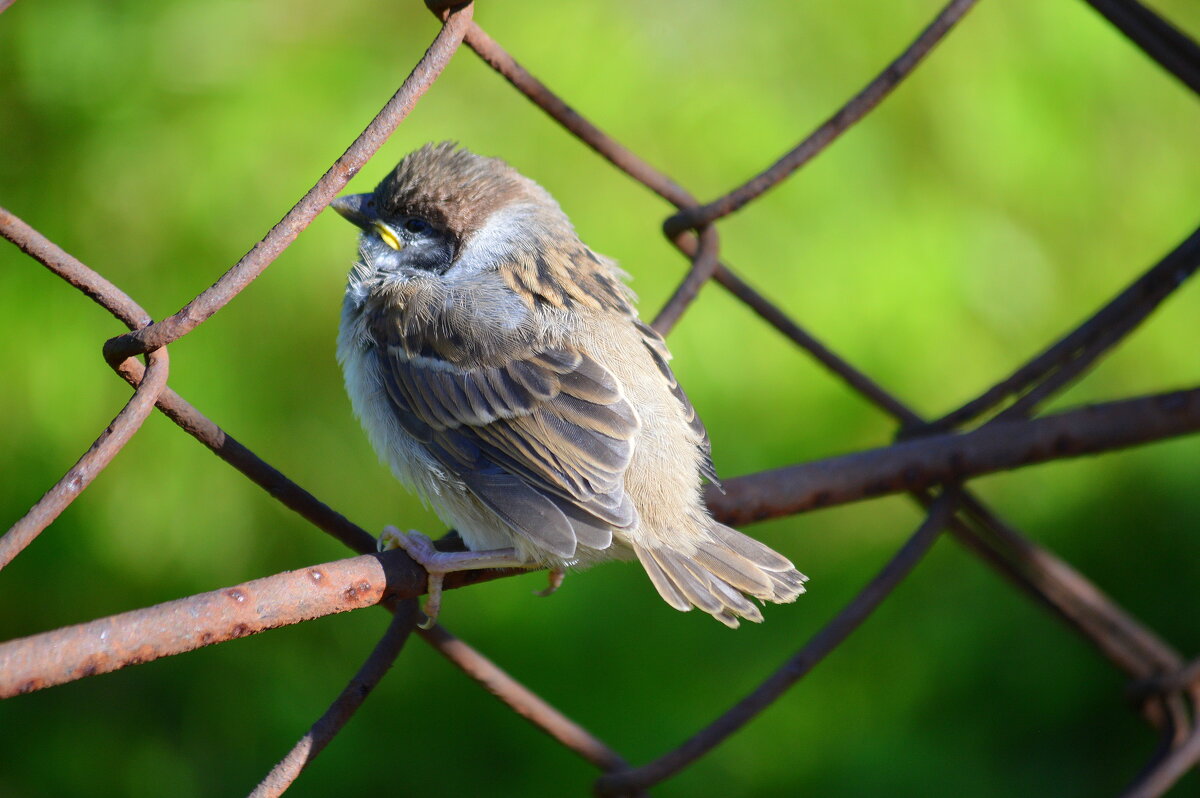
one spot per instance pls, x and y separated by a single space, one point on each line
417 226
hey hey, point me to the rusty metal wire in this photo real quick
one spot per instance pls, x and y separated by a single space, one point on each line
795 668
932 459
344 706
1157 38
858 107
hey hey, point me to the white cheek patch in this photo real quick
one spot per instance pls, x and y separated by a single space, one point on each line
495 241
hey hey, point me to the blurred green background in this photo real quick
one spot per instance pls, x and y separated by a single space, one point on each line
1031 168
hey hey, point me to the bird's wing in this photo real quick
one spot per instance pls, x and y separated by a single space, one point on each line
542 440
657 347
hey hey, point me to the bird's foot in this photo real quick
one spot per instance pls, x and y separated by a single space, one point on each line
556 579
439 563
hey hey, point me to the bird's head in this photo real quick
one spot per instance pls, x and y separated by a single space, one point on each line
452 223
446 212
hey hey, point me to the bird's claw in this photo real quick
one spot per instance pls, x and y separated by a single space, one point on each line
422 551
556 579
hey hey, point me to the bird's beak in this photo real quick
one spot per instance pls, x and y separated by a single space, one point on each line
358 209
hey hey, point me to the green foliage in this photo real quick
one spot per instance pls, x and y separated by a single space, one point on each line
1032 166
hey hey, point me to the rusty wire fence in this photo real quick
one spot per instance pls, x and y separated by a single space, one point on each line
932 460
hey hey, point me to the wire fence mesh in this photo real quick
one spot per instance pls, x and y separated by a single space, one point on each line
932 460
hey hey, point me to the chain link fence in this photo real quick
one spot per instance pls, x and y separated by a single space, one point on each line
932 459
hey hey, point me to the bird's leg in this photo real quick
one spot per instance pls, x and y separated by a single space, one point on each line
556 579
439 563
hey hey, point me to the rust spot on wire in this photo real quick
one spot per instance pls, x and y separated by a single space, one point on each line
351 592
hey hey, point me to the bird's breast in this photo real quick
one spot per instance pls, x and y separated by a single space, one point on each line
364 370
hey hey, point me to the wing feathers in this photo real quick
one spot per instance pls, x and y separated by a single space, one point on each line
542 440
481 411
591 382
559 361
658 353
603 419
525 510
539 382
589 531
512 398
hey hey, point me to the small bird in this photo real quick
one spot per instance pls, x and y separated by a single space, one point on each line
498 366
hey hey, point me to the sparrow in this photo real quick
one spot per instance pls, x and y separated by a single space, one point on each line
499 367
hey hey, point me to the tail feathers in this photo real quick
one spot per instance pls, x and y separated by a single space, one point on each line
725 568
763 556
665 586
789 584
